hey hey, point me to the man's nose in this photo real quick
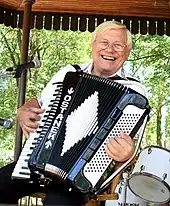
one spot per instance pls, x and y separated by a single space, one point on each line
111 48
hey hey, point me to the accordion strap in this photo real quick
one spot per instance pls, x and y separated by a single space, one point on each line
77 67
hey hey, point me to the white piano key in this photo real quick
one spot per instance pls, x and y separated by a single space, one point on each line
17 175
22 170
22 164
25 152
23 158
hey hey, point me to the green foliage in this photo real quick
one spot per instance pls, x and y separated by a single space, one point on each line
149 62
56 49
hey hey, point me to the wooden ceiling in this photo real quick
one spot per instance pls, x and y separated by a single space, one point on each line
134 12
143 8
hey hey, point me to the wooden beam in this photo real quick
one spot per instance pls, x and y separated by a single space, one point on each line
144 8
11 4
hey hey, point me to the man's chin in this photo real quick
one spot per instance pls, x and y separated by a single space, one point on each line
110 70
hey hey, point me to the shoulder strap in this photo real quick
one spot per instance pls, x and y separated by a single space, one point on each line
121 78
116 78
132 79
77 67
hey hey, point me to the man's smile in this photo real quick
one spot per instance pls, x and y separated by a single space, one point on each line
108 58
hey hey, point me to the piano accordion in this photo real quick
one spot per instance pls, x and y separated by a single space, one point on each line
69 145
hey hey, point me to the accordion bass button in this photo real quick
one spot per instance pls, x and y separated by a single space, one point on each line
109 123
88 153
95 143
101 134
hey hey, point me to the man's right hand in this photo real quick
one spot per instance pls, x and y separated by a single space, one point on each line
28 115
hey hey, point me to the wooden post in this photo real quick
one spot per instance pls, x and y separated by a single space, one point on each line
23 78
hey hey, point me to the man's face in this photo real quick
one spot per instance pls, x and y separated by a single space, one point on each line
109 52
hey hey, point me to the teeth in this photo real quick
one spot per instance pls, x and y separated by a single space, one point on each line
109 58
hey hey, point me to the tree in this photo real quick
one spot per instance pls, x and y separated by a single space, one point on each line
150 62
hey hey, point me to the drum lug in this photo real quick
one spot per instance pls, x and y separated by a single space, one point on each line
149 150
164 176
142 167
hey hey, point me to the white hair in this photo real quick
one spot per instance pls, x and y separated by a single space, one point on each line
107 25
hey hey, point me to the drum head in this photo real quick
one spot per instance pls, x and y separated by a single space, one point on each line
149 187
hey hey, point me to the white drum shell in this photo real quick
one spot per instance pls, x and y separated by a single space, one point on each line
126 197
150 178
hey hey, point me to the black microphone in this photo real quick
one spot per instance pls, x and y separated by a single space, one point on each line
6 123
21 67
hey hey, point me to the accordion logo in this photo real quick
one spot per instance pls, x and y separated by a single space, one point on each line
58 119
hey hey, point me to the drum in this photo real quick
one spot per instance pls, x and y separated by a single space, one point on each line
150 178
126 197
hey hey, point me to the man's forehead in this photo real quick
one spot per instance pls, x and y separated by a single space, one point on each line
112 32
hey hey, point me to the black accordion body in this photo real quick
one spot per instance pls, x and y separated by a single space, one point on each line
87 111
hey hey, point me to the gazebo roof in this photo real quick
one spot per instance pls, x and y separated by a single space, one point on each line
145 17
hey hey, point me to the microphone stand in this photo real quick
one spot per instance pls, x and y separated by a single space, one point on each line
125 177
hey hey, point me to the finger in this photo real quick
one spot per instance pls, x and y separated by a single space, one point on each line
28 129
119 145
114 142
111 153
125 136
127 145
37 110
113 146
26 134
124 143
32 125
34 116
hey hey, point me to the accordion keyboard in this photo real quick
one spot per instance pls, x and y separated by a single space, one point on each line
21 170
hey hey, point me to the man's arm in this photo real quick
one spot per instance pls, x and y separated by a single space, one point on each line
28 115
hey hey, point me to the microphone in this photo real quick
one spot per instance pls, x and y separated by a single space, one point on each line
21 67
6 123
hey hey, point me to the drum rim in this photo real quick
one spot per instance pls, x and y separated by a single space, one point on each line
155 146
154 177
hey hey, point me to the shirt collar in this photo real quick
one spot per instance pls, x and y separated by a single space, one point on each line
119 73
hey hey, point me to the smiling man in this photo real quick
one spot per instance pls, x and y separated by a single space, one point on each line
111 46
